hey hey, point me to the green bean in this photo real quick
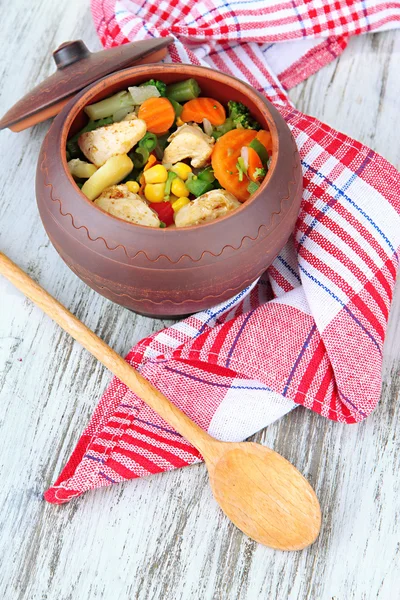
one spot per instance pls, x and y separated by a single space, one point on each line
73 150
109 106
182 91
197 187
226 126
253 187
162 141
206 174
217 185
178 108
261 150
139 157
149 141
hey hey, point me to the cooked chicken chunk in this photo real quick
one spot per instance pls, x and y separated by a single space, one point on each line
189 141
207 207
130 116
120 202
118 138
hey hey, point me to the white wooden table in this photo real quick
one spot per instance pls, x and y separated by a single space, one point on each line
164 537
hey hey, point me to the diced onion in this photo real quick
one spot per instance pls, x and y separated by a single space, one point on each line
141 93
208 128
244 153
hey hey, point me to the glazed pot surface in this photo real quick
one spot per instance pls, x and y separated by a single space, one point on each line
169 272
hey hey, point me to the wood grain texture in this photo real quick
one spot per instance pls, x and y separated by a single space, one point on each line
259 490
108 357
164 537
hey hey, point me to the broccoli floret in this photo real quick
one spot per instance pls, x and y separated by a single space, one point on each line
260 173
160 85
240 115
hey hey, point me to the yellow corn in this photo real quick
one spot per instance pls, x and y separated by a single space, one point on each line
154 192
177 205
133 186
156 174
179 122
178 188
182 170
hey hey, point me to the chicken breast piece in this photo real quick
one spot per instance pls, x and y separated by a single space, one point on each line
208 207
130 116
120 202
118 138
189 141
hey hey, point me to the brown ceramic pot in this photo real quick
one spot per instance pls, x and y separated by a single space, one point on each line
169 272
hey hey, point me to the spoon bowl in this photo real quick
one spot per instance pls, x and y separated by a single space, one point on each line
264 495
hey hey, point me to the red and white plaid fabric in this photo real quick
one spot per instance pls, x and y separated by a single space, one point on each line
311 330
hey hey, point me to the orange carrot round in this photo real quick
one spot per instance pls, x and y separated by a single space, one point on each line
158 114
265 138
254 162
224 158
203 108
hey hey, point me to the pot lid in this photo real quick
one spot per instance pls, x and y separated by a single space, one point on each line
77 67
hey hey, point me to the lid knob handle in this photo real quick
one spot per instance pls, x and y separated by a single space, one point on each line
70 52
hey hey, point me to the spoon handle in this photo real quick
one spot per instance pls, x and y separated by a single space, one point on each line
106 355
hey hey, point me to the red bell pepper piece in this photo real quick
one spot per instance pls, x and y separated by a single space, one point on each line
165 212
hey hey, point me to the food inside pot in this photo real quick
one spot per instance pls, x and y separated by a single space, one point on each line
163 155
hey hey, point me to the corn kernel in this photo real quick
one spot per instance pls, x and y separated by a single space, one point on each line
156 174
177 205
182 170
154 192
179 122
178 188
132 186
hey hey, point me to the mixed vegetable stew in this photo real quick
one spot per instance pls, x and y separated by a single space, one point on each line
163 155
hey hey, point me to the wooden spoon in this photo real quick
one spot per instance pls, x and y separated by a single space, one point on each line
260 491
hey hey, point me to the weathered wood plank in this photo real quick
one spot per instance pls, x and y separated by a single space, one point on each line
163 537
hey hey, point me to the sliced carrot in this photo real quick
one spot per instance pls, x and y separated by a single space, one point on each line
203 108
158 114
151 161
224 158
265 138
254 163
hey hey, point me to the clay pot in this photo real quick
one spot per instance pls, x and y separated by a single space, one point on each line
168 272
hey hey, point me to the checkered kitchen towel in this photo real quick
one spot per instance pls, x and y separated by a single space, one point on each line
311 330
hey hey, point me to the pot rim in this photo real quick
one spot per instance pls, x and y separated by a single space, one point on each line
157 69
